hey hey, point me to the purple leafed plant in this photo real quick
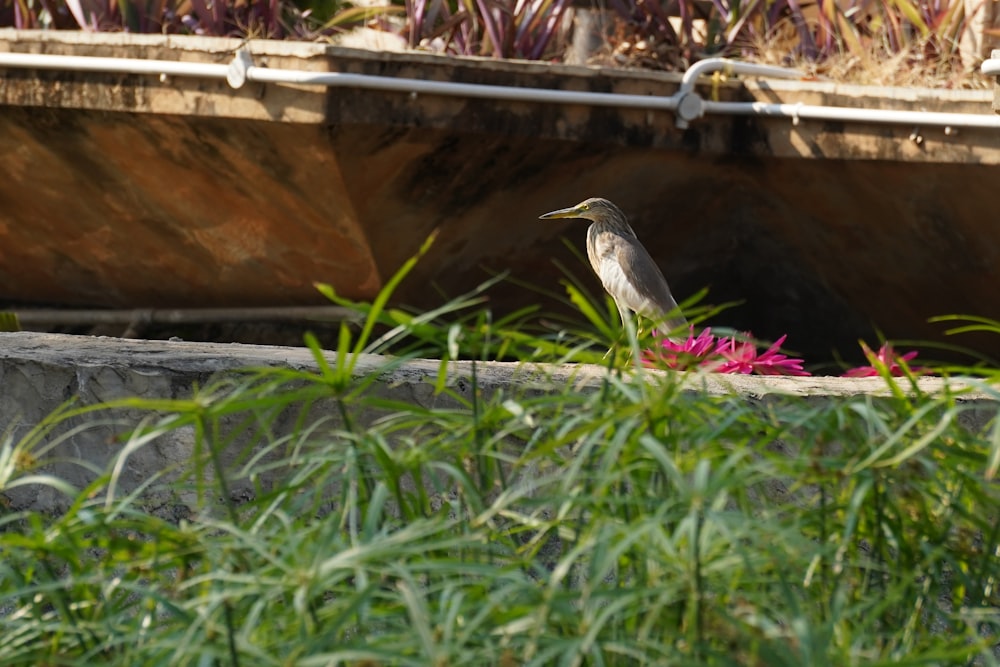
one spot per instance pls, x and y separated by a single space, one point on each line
723 354
867 30
660 33
498 28
742 357
693 352
255 18
886 360
739 354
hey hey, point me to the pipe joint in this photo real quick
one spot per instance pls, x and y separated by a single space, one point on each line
990 66
236 73
686 103
690 107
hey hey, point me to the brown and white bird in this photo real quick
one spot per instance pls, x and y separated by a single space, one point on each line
624 266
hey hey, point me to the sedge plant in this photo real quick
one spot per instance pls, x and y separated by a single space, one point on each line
321 519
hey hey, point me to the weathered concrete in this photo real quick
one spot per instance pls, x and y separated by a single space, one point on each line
131 191
39 372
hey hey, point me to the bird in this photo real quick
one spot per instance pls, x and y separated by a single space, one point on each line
625 268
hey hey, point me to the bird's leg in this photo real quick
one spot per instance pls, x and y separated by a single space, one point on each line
631 325
624 315
632 349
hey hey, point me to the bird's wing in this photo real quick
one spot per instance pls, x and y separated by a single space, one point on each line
631 274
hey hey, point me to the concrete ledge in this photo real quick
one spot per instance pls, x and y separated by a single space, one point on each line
39 372
47 360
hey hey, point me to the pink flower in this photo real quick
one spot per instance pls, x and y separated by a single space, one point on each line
885 358
681 356
742 357
722 355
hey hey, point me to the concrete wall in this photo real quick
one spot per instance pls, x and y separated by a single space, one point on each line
40 372
136 191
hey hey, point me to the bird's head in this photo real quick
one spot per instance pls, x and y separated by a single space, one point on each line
594 209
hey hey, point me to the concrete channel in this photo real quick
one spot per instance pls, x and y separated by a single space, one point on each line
145 191
40 372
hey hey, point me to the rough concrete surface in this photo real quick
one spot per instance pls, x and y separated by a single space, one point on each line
246 197
39 372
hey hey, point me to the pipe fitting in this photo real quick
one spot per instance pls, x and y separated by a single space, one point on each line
686 103
690 107
236 73
990 66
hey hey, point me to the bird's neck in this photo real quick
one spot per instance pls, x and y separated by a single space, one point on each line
619 227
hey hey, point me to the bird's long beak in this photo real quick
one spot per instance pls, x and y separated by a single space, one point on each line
571 212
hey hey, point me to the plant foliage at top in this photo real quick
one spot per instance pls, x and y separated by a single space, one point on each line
920 36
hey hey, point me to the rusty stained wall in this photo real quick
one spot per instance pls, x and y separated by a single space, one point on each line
124 191
159 211
142 211
825 251
826 232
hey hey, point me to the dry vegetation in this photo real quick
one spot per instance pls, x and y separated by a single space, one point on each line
915 55
933 43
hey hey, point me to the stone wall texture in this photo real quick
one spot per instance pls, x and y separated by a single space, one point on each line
41 372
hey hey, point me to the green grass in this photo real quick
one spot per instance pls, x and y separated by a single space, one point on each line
324 522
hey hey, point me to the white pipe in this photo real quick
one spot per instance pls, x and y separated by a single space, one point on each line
733 67
990 67
333 79
45 316
477 90
685 102
691 106
117 65
795 112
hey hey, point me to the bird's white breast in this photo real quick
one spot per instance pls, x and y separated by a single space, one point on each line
601 251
